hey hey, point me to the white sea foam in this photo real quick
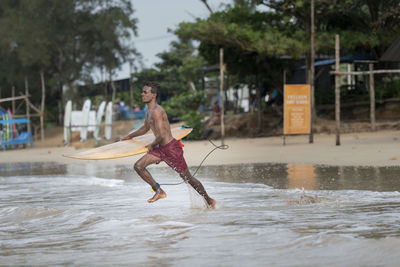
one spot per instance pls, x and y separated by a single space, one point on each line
65 180
176 224
196 200
91 220
104 182
18 214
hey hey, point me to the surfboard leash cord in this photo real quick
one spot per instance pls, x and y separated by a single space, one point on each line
222 147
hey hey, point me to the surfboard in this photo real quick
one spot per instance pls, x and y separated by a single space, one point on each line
6 130
13 130
108 121
99 118
8 125
126 148
85 119
67 121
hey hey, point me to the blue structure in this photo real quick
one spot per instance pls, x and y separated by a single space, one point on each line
22 139
344 59
133 115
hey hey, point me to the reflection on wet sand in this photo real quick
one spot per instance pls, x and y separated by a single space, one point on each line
280 176
301 176
310 177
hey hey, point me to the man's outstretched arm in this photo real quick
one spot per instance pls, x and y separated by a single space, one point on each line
144 128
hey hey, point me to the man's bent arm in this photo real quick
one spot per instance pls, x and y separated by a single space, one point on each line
144 128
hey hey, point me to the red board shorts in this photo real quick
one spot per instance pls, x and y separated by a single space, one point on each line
172 154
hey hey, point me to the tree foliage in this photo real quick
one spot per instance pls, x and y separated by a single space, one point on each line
185 107
364 26
177 106
259 35
66 39
283 30
179 67
247 30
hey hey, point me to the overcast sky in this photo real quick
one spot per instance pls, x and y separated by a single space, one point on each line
155 17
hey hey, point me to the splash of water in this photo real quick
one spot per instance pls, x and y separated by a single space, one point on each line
196 200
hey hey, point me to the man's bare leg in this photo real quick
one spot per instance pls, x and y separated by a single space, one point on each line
140 168
198 187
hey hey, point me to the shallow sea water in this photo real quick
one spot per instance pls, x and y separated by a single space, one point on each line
266 215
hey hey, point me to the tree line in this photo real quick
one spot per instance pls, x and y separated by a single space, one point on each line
64 41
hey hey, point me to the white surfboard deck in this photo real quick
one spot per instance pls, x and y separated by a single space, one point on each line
85 119
67 121
126 148
99 119
108 120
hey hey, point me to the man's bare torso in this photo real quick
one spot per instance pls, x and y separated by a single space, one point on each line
157 119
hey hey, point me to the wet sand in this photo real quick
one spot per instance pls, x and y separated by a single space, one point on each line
357 149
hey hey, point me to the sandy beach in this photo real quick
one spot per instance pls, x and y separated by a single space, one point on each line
357 149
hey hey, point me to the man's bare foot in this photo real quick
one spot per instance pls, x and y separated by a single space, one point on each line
211 203
158 195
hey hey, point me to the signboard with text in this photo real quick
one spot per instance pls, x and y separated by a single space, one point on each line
297 109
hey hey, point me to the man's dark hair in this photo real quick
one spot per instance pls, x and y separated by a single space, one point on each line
155 87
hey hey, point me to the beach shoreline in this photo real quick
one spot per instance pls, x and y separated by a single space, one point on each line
380 148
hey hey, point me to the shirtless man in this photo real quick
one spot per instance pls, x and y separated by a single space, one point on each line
164 148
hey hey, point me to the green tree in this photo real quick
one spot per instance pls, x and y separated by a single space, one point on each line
178 71
257 42
365 26
66 39
253 43
185 107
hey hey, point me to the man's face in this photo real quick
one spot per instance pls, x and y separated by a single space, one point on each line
147 95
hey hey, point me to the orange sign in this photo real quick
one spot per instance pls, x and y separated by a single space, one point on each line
297 111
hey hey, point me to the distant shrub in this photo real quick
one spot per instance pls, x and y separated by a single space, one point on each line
388 90
194 119
179 105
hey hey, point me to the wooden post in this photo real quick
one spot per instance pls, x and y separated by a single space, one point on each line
372 96
113 87
13 100
42 106
130 86
259 88
312 75
103 78
283 90
221 92
28 114
227 85
337 89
